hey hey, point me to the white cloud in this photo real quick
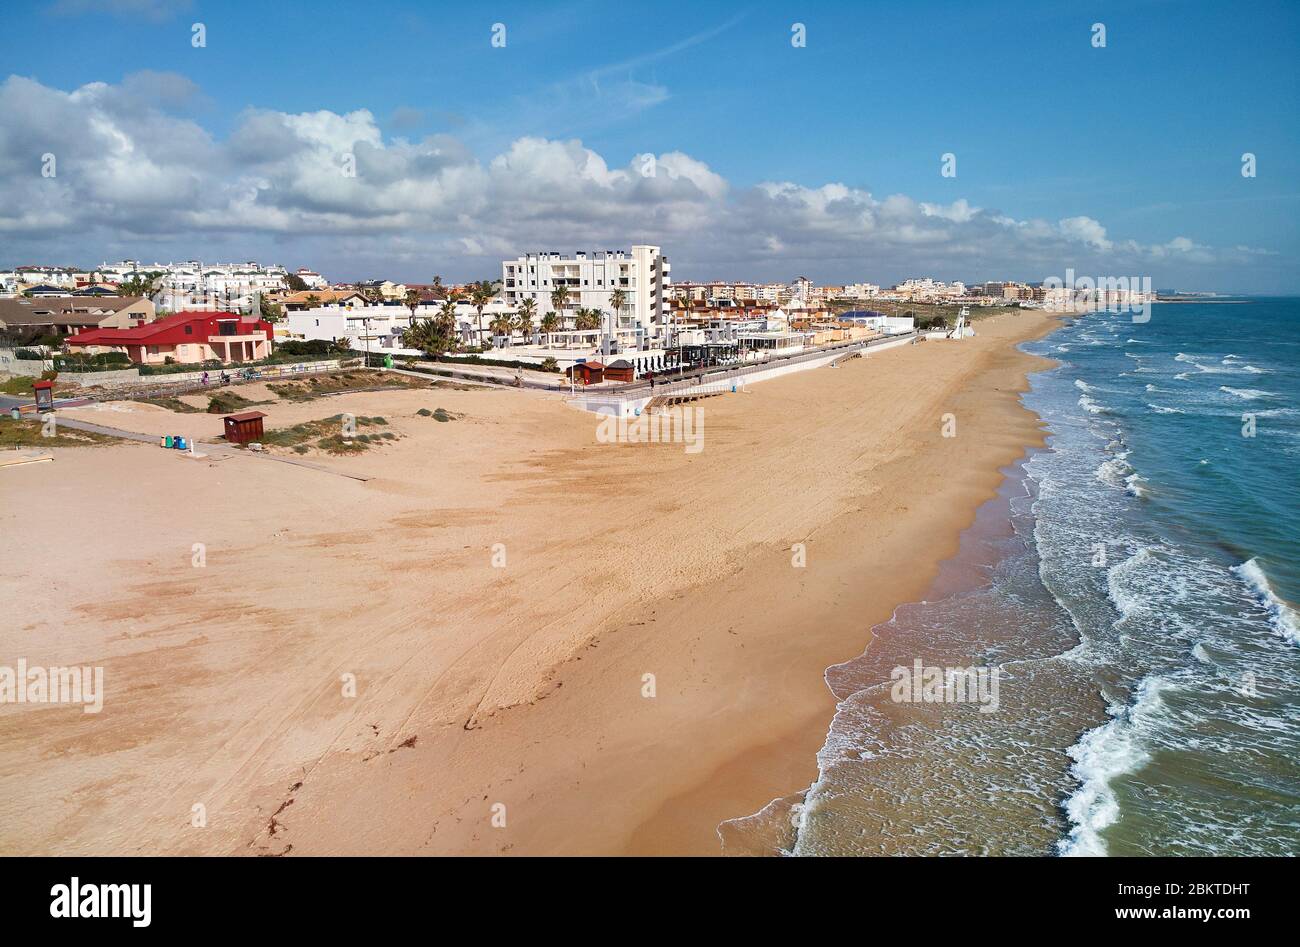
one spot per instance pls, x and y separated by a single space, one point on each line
1087 230
135 172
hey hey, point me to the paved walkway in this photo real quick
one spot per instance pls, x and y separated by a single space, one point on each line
212 448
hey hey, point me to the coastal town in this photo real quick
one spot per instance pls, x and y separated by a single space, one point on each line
598 318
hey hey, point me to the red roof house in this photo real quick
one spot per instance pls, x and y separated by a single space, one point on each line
184 337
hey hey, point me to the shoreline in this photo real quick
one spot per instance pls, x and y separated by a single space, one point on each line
771 830
481 687
940 549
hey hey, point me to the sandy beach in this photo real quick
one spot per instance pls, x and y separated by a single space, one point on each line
500 593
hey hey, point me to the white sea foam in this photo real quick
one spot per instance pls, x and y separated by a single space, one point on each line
1090 405
1161 409
1101 754
1114 471
1121 582
1284 618
1250 394
1083 385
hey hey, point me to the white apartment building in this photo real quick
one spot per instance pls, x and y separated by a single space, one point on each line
193 285
590 278
311 279
60 276
379 327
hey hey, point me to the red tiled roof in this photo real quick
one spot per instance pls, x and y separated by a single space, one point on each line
170 331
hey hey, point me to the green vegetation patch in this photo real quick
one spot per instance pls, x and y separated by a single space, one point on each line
439 414
228 402
27 433
173 404
327 435
313 386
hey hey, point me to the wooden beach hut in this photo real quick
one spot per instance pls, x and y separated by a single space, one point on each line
620 371
244 428
588 373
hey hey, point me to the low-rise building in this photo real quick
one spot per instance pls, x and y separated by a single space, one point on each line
29 318
316 298
187 337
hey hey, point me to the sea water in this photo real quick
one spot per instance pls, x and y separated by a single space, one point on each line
1134 586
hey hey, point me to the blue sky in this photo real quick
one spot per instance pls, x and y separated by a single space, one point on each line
1143 138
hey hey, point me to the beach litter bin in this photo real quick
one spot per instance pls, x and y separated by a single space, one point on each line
14 413
180 443
167 441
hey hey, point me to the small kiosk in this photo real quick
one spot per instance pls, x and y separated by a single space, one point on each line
244 428
588 373
44 391
620 370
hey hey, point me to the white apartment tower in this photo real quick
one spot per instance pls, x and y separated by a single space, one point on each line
590 278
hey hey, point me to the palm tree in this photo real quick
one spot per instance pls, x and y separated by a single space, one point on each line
559 299
550 324
527 309
480 294
418 335
617 300
502 325
588 319
312 301
447 316
138 284
412 302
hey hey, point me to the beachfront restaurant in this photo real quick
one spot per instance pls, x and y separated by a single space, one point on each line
773 342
